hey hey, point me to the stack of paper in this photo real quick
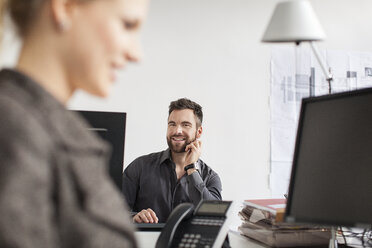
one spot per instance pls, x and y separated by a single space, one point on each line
263 221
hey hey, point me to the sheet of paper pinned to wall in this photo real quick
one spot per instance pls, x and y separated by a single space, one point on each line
296 74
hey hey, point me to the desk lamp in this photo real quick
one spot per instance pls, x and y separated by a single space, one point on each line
295 21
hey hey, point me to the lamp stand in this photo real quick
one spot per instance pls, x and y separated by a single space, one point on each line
327 73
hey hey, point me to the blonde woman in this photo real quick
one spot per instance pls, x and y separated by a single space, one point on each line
54 191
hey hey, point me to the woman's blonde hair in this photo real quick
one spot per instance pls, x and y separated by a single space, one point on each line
22 13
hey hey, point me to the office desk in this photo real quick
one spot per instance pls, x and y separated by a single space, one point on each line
148 240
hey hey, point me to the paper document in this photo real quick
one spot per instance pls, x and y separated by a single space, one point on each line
295 74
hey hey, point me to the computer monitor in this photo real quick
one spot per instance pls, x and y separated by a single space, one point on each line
111 127
331 179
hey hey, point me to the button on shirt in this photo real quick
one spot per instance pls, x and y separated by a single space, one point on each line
150 181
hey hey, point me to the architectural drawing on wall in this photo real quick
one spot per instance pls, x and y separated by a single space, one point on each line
295 74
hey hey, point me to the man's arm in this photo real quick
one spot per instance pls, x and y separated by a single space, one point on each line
130 184
130 187
200 190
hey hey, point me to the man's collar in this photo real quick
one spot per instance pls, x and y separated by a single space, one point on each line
166 154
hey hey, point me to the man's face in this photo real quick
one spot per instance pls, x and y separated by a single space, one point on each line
181 130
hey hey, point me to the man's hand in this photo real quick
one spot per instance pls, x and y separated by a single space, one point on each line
193 152
145 216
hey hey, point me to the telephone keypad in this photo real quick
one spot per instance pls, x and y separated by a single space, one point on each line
205 221
190 240
198 240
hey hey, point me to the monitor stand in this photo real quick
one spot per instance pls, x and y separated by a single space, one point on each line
333 240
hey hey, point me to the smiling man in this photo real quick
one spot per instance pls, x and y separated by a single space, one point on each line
155 184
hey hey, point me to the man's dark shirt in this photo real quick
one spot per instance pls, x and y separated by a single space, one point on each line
150 181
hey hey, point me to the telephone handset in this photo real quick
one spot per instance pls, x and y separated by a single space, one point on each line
181 212
203 227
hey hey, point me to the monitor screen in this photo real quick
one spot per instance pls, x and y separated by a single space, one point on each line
111 127
331 180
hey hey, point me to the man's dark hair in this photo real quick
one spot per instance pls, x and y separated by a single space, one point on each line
184 103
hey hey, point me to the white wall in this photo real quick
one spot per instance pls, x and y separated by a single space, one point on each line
210 52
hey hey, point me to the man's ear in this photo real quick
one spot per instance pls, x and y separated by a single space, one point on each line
199 132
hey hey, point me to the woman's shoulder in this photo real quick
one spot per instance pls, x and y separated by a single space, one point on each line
23 110
18 123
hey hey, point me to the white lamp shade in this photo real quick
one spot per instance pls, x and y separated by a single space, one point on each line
293 21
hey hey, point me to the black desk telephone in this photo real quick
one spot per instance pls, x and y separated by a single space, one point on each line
205 227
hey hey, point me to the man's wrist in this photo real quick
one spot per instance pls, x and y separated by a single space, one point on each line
190 171
189 167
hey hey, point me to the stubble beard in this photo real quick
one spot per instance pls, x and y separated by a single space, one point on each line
182 148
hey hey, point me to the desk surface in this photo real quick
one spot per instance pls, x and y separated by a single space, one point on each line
148 240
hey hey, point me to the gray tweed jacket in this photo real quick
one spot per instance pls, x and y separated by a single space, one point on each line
54 188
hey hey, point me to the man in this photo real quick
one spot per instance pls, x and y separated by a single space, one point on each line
155 184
